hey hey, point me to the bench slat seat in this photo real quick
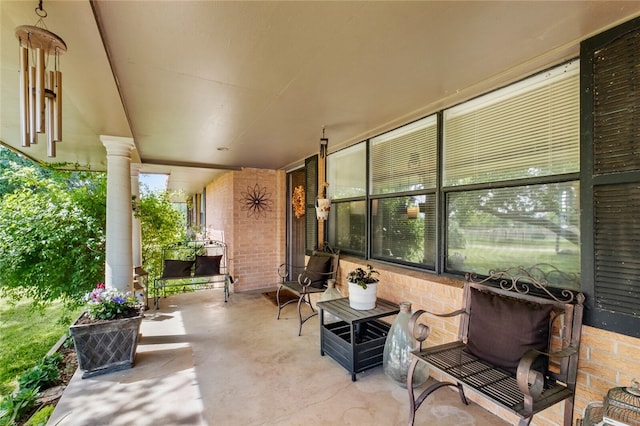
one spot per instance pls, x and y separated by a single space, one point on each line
458 365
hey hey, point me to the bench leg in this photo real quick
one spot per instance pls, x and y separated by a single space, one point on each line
525 421
415 403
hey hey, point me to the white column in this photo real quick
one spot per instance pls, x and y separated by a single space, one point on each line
119 260
136 232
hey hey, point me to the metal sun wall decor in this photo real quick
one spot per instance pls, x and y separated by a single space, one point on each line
256 201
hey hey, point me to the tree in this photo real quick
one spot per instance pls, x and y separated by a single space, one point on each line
52 238
161 224
52 230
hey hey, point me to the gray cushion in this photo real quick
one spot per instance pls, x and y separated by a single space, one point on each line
177 268
502 329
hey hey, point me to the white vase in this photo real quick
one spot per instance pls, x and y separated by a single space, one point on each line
362 299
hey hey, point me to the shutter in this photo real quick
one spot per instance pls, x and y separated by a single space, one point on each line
617 248
311 185
611 145
616 125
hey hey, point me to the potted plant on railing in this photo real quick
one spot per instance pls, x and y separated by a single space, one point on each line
105 335
363 288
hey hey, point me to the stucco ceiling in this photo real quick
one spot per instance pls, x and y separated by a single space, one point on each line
206 86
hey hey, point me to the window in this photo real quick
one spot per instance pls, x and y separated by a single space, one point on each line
403 178
511 162
521 225
611 178
346 175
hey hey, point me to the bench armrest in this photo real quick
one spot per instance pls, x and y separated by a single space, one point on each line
305 282
531 381
284 269
421 331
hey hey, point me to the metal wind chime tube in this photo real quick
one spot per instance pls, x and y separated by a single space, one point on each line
40 89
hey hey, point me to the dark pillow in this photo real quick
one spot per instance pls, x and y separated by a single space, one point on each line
208 265
502 329
317 270
177 268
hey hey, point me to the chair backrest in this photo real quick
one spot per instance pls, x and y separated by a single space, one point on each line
530 290
327 250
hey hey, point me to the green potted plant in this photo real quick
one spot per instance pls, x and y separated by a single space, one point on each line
105 335
363 288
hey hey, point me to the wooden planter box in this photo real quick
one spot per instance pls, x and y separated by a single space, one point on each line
106 346
364 353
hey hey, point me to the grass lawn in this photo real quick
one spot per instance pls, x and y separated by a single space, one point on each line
26 336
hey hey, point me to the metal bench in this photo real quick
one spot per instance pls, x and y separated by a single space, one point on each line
193 263
496 323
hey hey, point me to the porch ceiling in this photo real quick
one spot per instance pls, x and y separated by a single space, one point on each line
260 79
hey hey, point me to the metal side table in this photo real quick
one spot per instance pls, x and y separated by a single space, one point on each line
356 341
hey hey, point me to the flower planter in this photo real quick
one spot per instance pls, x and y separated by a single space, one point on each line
362 299
105 346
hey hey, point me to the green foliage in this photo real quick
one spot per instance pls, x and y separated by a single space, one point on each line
41 417
13 407
52 238
161 224
362 278
27 335
43 375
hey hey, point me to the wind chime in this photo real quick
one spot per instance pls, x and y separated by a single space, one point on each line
40 83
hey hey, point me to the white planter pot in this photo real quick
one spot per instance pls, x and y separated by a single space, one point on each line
362 299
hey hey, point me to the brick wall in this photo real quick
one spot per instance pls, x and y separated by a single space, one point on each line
255 242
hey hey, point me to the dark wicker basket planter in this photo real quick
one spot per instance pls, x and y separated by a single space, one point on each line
104 347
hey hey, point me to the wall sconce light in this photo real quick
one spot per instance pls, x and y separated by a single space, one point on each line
40 85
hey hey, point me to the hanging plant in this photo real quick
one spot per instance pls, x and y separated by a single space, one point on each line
298 201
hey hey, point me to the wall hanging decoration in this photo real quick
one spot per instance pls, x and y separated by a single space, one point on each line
256 201
40 83
323 204
298 200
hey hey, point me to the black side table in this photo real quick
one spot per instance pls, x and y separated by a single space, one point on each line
356 341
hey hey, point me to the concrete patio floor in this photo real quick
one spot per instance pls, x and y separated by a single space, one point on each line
202 361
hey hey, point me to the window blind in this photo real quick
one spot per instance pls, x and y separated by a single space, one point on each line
527 129
346 172
405 159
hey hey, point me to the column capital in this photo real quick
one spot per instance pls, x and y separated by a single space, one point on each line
135 169
117 145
